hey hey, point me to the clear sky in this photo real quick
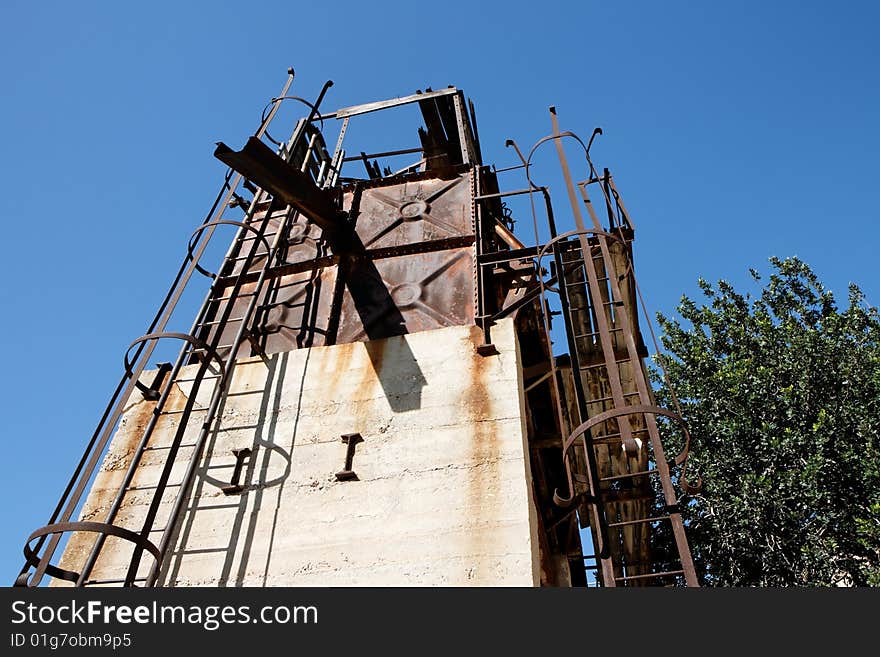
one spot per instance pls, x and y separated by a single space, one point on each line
736 131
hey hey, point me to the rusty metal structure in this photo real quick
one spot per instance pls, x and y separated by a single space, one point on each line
333 247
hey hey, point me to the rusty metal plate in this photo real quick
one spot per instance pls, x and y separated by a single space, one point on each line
414 211
385 293
299 244
406 294
293 312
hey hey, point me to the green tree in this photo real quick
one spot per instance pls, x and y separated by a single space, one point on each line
782 395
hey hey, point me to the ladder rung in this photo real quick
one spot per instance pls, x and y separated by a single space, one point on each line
634 432
592 367
604 399
152 487
640 521
625 496
649 575
250 236
607 440
595 333
89 582
611 438
244 427
617 435
195 378
245 392
630 475
220 321
218 506
583 283
574 251
150 449
576 247
203 551
237 296
270 306
299 281
182 410
254 256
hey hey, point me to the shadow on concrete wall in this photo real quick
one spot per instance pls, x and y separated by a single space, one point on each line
266 449
398 372
393 361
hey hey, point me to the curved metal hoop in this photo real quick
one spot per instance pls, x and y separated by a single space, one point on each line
563 502
618 412
191 245
552 137
312 107
261 485
564 133
586 147
103 528
199 344
588 232
278 99
582 428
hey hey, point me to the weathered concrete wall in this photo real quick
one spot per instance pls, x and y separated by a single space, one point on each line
444 489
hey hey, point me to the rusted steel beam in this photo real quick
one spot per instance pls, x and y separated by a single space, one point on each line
506 256
261 165
402 151
417 248
385 104
515 192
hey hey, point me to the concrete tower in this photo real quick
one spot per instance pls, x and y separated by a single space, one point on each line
369 394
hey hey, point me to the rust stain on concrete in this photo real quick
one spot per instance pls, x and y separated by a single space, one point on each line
483 484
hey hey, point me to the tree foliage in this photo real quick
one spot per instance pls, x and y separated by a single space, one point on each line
782 395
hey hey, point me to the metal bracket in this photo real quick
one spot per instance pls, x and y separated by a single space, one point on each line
241 455
254 342
487 349
347 474
151 393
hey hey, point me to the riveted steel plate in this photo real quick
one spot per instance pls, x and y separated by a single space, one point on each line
293 311
299 243
406 294
413 212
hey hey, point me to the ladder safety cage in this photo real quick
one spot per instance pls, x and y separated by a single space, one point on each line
216 363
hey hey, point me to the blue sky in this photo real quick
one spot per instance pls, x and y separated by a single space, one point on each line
736 131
